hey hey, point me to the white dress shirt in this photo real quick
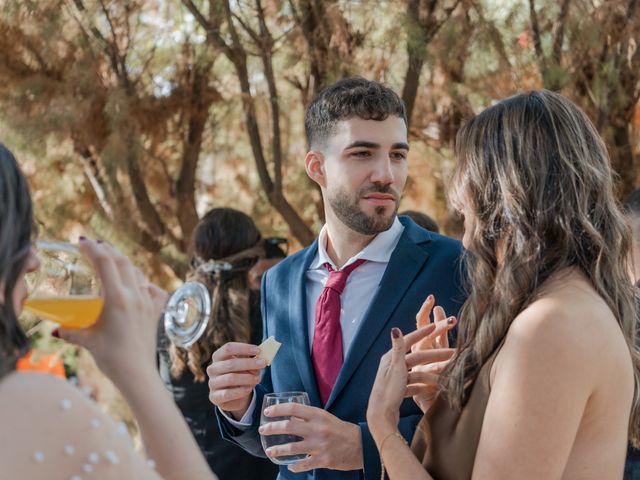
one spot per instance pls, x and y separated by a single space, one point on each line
362 283
361 288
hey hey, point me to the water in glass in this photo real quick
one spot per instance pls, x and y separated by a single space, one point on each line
272 440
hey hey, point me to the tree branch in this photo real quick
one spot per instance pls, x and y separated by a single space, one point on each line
266 45
535 28
213 34
559 38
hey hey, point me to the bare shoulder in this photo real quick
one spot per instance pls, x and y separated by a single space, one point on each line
53 426
569 325
568 307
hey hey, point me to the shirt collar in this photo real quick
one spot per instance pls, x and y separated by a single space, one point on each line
379 250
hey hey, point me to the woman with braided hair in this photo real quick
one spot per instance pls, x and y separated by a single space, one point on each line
226 245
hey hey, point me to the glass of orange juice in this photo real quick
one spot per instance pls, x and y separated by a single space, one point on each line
65 289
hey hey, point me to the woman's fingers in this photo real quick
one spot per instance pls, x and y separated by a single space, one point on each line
421 390
126 269
103 263
75 336
422 378
422 357
417 335
440 329
438 314
426 375
159 297
422 317
398 347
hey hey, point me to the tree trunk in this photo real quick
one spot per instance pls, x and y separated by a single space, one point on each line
185 186
412 82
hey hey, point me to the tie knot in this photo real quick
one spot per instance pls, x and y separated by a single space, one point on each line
338 278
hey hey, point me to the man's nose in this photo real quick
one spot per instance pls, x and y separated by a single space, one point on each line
383 173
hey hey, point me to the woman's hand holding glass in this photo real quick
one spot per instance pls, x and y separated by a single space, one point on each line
67 290
125 334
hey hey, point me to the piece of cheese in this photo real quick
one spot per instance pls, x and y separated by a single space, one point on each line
268 349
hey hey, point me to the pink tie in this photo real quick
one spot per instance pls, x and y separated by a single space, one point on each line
326 351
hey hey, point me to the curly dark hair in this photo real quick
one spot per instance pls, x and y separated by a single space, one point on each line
348 98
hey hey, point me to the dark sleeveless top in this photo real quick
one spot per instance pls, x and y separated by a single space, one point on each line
446 440
227 460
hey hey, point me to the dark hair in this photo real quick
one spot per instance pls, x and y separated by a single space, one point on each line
347 98
535 179
272 248
632 203
422 219
16 220
221 234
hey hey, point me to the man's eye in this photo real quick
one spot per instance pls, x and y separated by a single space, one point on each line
361 153
399 155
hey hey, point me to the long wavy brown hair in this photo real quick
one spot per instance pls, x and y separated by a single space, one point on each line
221 234
535 177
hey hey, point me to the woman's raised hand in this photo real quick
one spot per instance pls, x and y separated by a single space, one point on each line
430 355
390 386
125 335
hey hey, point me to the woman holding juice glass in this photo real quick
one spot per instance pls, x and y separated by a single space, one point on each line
48 425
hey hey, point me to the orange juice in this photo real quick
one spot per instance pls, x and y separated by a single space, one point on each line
69 312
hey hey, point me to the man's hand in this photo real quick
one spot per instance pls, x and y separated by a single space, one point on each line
233 374
329 442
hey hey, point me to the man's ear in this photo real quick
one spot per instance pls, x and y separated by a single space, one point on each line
314 163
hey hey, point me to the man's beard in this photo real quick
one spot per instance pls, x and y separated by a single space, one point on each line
348 211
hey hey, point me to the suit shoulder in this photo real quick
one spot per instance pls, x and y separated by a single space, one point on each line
448 242
283 267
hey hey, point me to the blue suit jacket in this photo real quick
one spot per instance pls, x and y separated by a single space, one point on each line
422 263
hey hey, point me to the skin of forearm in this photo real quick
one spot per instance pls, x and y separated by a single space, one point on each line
400 462
165 434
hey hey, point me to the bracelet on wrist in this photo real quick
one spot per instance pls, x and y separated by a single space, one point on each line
392 434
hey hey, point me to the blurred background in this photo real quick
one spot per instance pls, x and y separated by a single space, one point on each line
131 118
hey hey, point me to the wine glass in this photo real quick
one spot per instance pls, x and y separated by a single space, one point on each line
272 440
187 314
66 290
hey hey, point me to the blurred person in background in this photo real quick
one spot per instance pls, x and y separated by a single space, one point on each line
422 219
223 236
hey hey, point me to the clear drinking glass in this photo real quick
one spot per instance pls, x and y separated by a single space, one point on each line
271 440
187 314
66 290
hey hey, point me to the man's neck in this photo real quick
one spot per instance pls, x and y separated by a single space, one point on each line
343 243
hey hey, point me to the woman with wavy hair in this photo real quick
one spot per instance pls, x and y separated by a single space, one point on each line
226 245
544 381
49 428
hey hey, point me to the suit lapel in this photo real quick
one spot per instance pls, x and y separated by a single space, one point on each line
298 324
404 265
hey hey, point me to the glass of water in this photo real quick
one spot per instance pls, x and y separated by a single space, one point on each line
272 440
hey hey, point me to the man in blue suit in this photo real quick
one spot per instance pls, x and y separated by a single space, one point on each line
332 304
